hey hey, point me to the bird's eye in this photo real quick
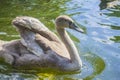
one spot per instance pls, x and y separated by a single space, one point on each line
70 23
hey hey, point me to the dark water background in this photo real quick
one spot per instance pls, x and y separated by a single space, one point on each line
99 46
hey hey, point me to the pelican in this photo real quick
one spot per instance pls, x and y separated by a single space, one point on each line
41 48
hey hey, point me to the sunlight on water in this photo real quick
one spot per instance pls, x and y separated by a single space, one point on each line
99 46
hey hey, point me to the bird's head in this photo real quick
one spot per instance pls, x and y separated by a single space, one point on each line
64 21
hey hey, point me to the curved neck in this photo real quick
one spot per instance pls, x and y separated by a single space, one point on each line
69 45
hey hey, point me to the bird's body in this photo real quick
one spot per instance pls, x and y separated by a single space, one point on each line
39 47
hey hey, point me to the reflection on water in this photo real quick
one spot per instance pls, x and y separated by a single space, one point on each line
99 46
116 39
108 3
98 65
18 76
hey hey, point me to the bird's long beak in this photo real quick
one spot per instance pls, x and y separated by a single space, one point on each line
73 26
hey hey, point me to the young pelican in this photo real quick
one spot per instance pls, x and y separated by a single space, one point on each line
41 48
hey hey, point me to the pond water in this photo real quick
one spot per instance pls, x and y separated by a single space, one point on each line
99 46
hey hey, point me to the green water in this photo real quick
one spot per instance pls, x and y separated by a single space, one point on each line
99 46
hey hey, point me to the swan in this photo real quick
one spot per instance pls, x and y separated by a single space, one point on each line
41 48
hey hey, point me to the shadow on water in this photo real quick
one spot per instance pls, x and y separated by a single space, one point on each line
98 46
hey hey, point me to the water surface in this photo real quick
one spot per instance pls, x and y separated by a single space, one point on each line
99 46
